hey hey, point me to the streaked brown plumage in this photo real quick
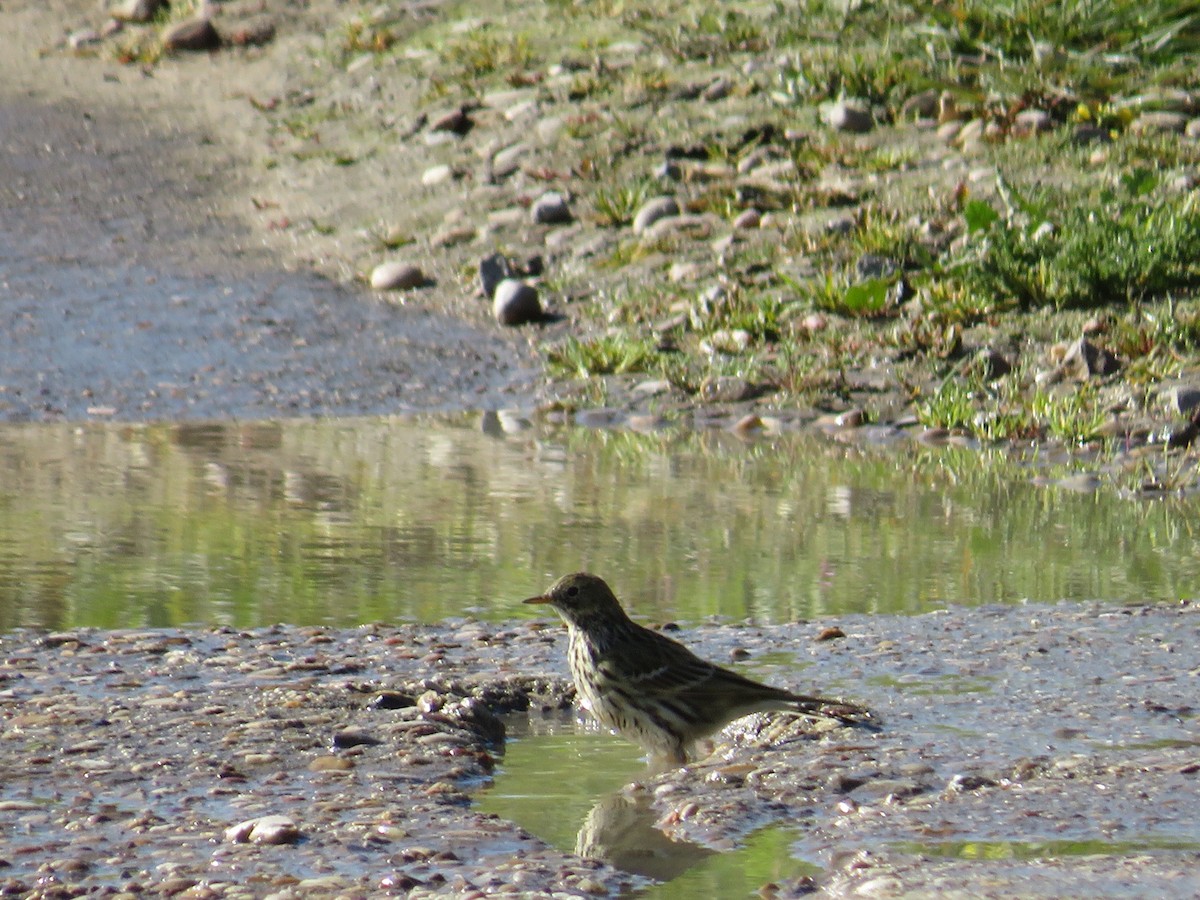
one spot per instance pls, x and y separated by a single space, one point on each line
651 689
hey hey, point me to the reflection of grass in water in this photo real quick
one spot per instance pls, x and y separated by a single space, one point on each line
392 520
1039 849
548 783
764 857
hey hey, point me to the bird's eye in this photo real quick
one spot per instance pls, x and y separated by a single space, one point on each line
572 591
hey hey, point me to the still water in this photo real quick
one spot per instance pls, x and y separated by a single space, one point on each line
418 519
566 781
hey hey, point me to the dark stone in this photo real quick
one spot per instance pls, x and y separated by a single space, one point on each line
392 700
991 364
457 121
493 270
345 739
1085 360
193 35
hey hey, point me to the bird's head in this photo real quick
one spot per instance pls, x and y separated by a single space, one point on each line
582 598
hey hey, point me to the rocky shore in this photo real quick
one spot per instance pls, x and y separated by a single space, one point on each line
560 191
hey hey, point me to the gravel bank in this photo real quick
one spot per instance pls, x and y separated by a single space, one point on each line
1062 736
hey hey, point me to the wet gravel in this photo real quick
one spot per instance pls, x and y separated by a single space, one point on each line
1063 736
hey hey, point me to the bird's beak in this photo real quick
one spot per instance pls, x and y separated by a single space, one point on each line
540 599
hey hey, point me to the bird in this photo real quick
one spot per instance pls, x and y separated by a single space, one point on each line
653 690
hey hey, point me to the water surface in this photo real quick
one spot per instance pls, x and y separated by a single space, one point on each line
353 520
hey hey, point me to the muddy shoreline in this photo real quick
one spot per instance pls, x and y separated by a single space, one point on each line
129 755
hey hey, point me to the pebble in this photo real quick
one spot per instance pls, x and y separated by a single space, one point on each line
969 133
948 132
654 210
516 303
926 104
1082 360
731 341
549 128
191 35
1181 399
550 209
696 227
493 270
851 116
718 89
1032 121
527 110
452 236
396 276
85 37
135 10
883 886
507 98
439 174
748 219
726 389
1159 122
508 160
330 764
509 217
264 830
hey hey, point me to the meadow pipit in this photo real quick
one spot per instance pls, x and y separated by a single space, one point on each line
651 689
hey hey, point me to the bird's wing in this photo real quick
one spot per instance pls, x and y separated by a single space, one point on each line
666 668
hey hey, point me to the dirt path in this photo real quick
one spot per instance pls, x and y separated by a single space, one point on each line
137 285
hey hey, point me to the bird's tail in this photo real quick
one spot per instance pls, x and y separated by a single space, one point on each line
839 710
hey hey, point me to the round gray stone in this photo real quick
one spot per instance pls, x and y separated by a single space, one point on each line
396 276
550 209
516 303
653 210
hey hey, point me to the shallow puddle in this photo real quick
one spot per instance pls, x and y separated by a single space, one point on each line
410 519
562 780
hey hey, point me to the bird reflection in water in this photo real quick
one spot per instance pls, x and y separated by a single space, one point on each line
620 831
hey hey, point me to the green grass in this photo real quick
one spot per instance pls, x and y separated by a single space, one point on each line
605 355
1125 243
887 253
616 204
